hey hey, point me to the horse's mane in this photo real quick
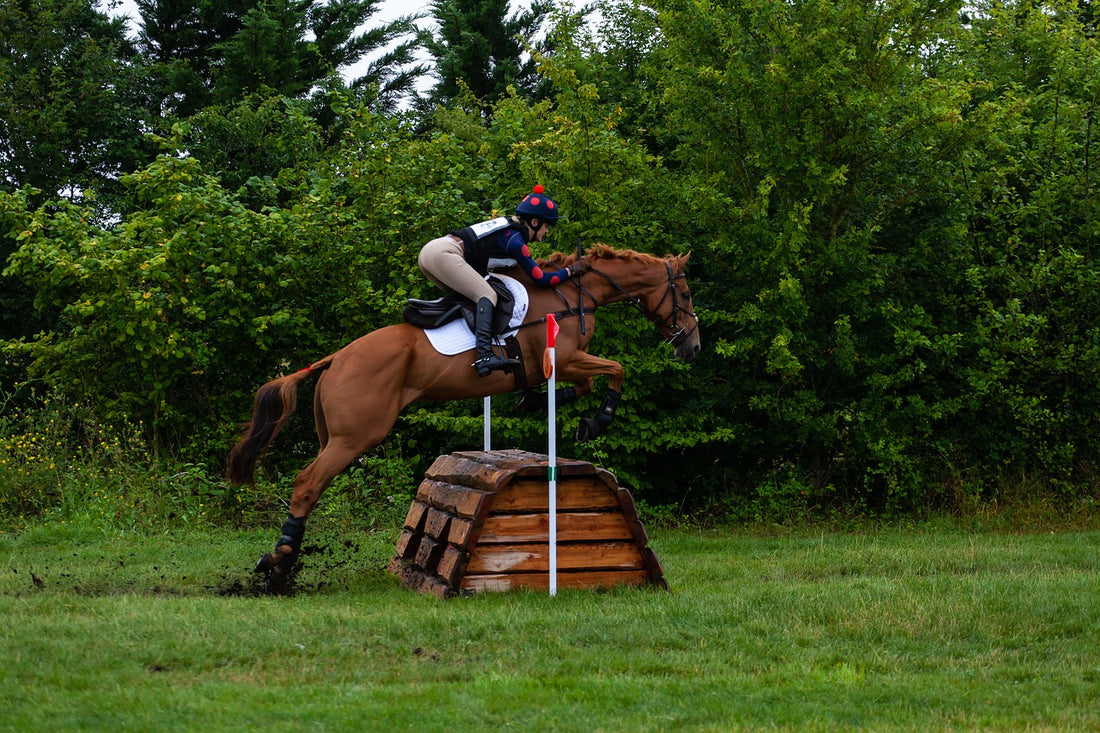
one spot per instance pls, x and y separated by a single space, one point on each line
558 260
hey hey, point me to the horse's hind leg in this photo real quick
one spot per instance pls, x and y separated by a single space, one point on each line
357 402
290 538
351 429
319 420
309 484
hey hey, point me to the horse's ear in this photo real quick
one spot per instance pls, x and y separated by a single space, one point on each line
680 261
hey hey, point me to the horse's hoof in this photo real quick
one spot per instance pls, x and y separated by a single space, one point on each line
276 571
265 563
278 579
587 429
530 402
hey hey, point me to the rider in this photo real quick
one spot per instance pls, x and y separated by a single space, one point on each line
460 261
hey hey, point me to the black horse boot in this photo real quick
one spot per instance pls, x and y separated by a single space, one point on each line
277 567
487 359
590 428
532 401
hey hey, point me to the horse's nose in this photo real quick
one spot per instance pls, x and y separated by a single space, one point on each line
688 351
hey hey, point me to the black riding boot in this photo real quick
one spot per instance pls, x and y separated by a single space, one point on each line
487 359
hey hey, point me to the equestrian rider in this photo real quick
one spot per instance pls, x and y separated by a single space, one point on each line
460 261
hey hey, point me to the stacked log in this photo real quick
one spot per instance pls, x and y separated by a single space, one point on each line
480 522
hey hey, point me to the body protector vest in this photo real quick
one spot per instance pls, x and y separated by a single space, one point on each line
482 251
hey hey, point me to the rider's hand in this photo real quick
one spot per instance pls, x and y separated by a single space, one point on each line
579 267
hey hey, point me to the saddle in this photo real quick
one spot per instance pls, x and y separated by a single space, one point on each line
429 314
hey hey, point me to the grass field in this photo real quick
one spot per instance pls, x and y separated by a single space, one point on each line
926 628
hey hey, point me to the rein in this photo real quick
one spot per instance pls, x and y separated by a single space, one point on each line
676 334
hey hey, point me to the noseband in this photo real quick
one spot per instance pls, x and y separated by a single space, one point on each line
677 333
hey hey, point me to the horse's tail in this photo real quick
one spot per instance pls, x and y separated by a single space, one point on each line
273 406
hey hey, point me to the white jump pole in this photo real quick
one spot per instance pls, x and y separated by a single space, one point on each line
548 366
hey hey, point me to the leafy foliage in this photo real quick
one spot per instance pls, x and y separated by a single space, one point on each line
68 99
217 52
811 132
480 48
891 209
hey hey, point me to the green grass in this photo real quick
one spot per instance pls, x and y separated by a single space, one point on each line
927 628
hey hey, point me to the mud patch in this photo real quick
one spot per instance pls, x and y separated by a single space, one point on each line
328 562
317 568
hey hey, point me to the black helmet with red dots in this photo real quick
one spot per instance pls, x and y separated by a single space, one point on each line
538 204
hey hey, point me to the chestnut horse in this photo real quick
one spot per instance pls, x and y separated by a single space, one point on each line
363 387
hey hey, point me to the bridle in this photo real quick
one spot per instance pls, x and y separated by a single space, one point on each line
677 334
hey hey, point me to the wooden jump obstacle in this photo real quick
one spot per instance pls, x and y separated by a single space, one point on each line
480 520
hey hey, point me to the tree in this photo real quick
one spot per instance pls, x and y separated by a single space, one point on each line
478 47
896 206
218 51
68 118
258 146
808 134
173 314
69 126
624 58
1086 10
1032 204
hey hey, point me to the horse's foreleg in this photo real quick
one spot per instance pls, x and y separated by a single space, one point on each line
580 369
533 401
593 427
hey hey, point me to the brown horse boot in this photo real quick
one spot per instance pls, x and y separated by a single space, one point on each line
487 359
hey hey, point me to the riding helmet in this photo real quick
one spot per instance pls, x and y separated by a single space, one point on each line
538 204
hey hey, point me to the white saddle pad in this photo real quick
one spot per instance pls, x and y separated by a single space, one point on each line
456 337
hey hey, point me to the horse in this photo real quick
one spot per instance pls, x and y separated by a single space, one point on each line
362 388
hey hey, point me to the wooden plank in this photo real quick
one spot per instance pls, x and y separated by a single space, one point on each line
452 565
437 588
461 469
653 568
408 542
541 581
585 493
572 526
454 499
415 518
463 533
427 557
518 558
410 575
437 524
630 512
523 464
